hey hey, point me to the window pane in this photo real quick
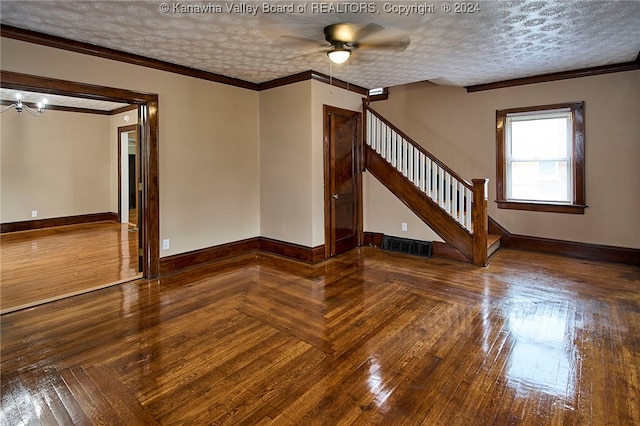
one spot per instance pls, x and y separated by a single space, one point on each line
540 181
540 138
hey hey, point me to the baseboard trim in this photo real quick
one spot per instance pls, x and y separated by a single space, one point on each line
178 262
372 239
578 250
575 249
28 225
292 251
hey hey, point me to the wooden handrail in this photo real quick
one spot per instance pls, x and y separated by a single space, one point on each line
463 225
416 145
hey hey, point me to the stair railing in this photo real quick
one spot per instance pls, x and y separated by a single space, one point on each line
453 194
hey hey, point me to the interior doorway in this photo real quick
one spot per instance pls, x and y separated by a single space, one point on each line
147 208
343 180
129 175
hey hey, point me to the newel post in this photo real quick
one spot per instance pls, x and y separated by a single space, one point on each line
480 221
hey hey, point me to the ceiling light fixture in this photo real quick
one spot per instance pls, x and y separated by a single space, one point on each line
339 54
19 106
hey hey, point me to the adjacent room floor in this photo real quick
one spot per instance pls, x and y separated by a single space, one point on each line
47 264
364 338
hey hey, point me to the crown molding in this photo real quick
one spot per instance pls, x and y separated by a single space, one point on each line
313 75
42 39
117 55
564 75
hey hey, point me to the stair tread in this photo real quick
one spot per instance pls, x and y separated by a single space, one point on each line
492 239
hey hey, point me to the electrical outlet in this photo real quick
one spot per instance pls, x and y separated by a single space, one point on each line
404 227
34 213
165 244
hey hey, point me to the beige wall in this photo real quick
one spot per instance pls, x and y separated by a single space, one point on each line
58 164
292 159
209 143
459 128
235 163
384 212
285 163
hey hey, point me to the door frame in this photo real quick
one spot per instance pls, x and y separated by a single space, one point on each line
329 160
127 129
148 145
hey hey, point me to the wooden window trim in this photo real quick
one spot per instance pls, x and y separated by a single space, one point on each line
578 203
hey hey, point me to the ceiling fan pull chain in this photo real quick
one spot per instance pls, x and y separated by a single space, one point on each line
348 67
330 73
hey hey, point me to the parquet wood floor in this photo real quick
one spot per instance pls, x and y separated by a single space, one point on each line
364 338
47 264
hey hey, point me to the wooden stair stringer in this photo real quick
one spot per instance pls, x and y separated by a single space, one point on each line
422 206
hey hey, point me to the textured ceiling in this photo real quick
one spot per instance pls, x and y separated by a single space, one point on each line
501 40
58 100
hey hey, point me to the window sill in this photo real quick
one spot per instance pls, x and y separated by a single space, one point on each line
541 207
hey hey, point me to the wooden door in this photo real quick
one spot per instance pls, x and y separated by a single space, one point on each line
343 199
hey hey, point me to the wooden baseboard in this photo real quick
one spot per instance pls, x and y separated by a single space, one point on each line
178 262
372 239
578 250
627 256
623 255
292 251
172 264
57 221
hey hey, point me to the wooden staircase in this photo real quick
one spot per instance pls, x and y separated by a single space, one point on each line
454 208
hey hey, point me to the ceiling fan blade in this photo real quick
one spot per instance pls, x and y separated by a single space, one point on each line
303 40
397 44
366 31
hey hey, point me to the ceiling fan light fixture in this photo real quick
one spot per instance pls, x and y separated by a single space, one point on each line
339 55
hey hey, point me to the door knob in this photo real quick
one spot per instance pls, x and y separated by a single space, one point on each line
335 196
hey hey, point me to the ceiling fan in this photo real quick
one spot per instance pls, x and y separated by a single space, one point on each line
344 38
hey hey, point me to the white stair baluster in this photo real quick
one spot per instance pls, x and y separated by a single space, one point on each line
469 196
447 193
423 172
440 186
368 128
454 198
394 150
389 144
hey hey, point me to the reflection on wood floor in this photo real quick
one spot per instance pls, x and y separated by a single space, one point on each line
365 338
46 264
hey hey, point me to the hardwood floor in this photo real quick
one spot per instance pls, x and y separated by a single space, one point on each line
365 338
50 263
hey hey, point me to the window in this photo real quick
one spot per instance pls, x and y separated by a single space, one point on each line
540 158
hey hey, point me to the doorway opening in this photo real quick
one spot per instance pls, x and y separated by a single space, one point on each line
147 160
128 175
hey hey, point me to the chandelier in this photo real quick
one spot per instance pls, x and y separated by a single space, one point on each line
19 106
